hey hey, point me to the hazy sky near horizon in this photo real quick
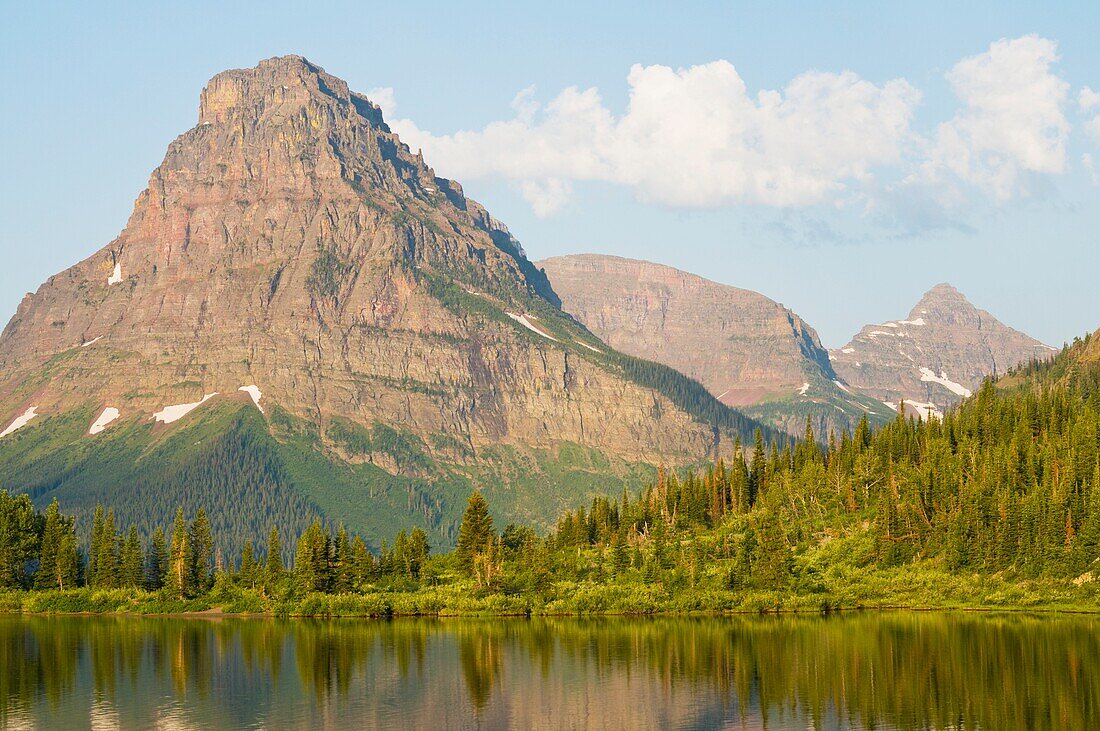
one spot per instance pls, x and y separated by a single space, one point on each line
841 160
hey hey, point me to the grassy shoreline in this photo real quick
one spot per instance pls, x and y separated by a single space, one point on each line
920 592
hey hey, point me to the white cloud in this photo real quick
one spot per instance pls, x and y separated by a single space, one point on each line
1013 122
697 137
1089 101
385 98
1090 166
690 137
546 197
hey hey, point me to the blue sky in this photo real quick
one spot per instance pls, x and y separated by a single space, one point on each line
841 160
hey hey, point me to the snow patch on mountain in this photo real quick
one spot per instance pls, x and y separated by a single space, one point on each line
176 412
522 320
109 414
20 421
256 394
927 375
805 387
116 275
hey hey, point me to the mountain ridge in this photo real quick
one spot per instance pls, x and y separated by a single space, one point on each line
748 350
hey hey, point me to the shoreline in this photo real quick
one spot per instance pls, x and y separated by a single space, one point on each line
220 614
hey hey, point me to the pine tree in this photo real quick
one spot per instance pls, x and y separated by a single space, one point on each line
362 561
46 576
179 573
311 569
107 573
95 547
273 568
248 569
67 566
620 555
156 562
131 569
200 554
475 535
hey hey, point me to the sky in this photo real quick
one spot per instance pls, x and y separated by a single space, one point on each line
841 160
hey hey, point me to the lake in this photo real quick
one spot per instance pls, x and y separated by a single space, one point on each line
866 670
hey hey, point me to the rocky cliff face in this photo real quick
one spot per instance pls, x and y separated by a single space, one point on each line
941 352
749 351
292 251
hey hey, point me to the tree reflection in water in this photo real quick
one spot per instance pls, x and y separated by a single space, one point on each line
898 670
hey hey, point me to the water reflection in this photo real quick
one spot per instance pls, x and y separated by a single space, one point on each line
903 671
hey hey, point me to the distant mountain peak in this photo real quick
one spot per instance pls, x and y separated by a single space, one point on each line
937 355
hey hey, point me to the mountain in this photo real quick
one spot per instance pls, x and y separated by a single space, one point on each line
749 351
298 303
940 353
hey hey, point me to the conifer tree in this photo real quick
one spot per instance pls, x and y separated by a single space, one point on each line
179 574
95 546
200 546
67 567
107 574
362 562
46 576
311 568
248 565
131 570
156 562
342 573
273 568
475 534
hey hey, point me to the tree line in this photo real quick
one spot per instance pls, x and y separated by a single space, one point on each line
1008 483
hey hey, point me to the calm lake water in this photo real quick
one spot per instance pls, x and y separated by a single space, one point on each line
881 671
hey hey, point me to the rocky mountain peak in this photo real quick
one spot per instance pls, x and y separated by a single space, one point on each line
275 85
947 305
291 253
936 356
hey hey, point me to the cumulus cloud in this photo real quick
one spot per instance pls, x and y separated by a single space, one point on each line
690 137
1089 101
385 98
1013 121
698 137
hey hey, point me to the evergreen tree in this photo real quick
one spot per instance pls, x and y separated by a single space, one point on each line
179 559
273 569
156 561
475 534
106 553
248 570
362 562
67 567
343 578
311 561
131 569
46 577
200 554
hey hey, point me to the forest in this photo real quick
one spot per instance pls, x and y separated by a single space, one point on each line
997 504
